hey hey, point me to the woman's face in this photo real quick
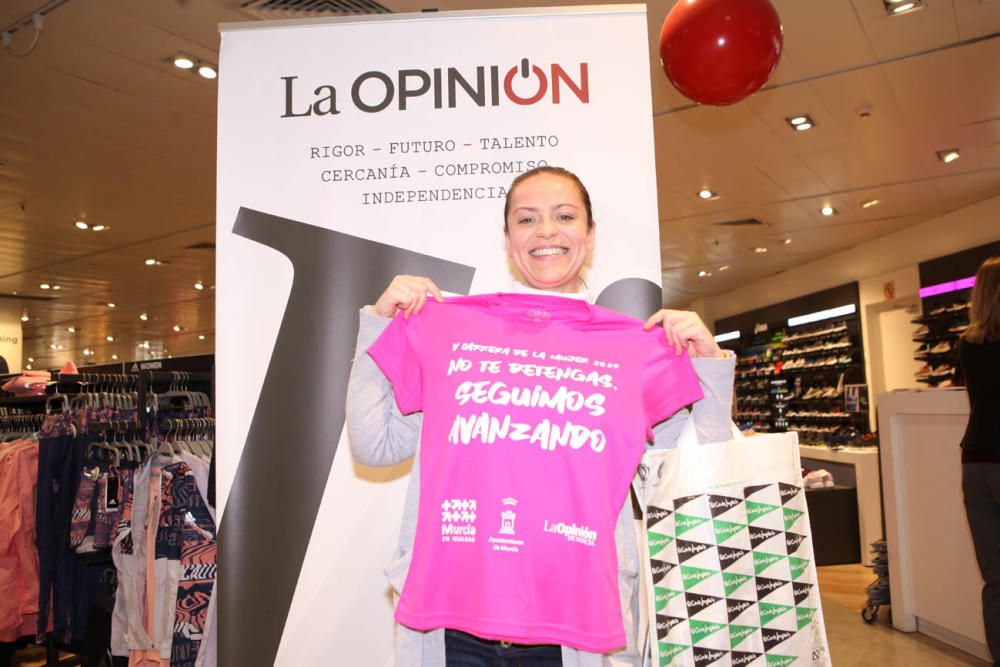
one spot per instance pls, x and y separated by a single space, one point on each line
547 233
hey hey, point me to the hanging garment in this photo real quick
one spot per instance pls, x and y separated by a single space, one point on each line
536 410
59 462
18 556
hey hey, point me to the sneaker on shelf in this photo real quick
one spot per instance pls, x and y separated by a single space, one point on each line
942 370
844 359
943 346
818 479
925 371
922 330
958 328
938 311
956 307
946 383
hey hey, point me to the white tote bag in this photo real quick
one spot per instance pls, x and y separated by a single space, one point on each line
727 559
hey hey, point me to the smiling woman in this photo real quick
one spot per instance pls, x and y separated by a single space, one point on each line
549 227
555 400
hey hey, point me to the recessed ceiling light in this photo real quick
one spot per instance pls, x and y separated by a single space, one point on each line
724 267
869 203
111 304
145 344
71 329
110 339
80 224
786 241
705 193
60 347
31 360
800 123
702 274
897 7
177 327
87 352
52 346
114 357
760 250
208 71
199 285
949 155
98 228
45 286
150 262
56 287
201 336
183 61
28 367
25 318
828 210
143 316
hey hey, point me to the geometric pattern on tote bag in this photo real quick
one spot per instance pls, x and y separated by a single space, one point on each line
731 576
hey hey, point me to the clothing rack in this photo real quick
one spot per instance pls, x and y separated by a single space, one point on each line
142 383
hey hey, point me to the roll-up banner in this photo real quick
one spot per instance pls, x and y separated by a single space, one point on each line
350 151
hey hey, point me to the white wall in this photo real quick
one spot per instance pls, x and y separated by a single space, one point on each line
11 341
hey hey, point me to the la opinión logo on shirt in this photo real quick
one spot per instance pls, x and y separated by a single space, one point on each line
584 535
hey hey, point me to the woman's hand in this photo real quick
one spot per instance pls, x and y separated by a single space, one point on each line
685 330
408 293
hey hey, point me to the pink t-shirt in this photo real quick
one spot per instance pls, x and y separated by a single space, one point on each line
536 413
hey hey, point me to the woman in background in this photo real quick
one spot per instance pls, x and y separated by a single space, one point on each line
979 354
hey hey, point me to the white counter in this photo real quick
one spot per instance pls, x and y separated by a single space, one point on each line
935 582
868 488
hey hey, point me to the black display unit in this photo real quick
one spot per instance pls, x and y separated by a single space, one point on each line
807 377
945 290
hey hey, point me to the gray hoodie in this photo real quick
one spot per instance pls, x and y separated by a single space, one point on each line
381 436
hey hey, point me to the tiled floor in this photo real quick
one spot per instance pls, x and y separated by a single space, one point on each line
852 641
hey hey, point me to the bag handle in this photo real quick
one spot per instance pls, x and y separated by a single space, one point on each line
689 434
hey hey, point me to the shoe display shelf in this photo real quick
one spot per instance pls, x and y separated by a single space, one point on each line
823 358
793 379
759 399
936 336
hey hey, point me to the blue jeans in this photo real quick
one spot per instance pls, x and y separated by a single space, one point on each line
464 650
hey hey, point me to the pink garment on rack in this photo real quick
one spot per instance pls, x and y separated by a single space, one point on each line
18 555
536 412
29 383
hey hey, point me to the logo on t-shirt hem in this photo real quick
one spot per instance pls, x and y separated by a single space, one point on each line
584 535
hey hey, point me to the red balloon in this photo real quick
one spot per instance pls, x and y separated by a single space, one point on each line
719 51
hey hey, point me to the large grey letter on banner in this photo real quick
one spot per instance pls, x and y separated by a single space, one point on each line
279 483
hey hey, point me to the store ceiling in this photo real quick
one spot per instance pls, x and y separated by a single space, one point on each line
95 124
